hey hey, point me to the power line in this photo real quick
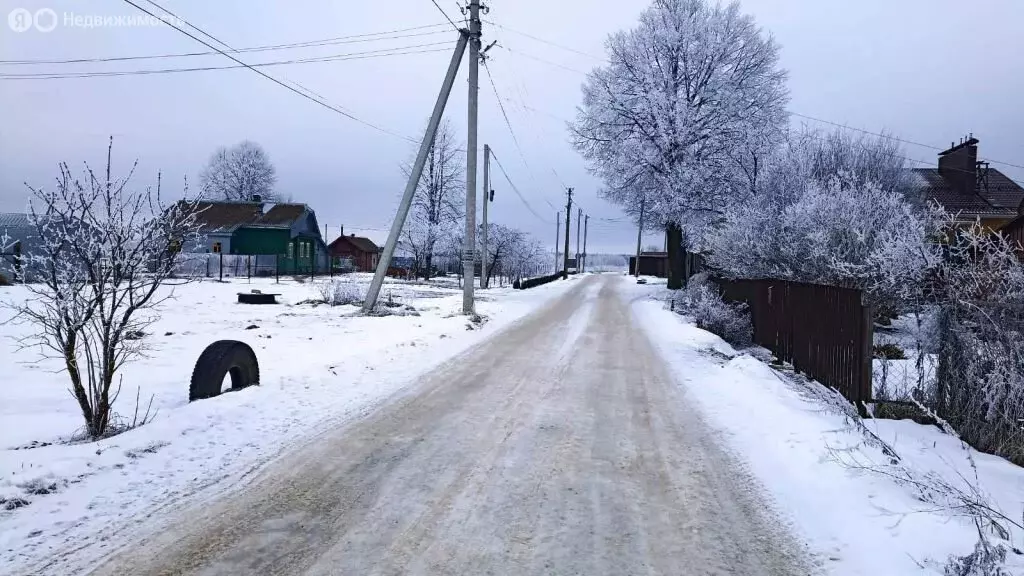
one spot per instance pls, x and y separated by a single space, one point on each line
508 124
448 18
603 60
896 138
353 39
543 41
516 190
397 51
306 94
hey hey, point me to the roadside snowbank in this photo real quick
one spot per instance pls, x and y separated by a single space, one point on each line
857 522
320 366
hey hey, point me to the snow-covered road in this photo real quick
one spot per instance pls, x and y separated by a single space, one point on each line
561 445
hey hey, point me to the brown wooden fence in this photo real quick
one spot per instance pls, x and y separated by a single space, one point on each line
823 331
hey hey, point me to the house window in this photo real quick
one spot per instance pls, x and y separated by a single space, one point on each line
291 250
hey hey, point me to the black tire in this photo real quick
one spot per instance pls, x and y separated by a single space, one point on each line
218 360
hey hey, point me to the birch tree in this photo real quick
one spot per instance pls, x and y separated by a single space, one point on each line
437 204
687 95
104 251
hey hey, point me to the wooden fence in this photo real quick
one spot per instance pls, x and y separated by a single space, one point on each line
823 331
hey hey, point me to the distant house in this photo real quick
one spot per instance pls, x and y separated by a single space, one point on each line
20 239
286 234
969 188
360 251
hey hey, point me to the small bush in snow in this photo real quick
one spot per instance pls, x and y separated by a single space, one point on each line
338 293
701 301
986 560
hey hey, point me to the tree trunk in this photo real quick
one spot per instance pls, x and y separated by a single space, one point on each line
674 238
428 265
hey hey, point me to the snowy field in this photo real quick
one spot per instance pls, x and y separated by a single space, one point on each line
797 440
66 505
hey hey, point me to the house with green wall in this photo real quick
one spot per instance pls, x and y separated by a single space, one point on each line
285 235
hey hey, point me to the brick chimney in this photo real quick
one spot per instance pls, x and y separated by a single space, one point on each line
959 165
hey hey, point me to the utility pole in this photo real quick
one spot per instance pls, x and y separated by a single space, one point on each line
558 230
568 225
468 248
416 172
484 280
579 219
586 221
639 238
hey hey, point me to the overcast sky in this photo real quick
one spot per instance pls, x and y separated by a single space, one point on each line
927 70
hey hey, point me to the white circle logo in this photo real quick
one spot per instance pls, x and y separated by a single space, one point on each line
46 20
20 19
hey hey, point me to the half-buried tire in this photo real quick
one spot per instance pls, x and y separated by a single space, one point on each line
220 359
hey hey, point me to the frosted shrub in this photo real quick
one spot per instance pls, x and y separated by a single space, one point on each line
702 302
340 293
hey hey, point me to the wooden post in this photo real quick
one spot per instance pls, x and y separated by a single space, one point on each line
277 268
312 261
248 267
867 354
17 262
221 273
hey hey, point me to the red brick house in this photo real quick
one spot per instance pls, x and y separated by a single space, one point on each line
362 252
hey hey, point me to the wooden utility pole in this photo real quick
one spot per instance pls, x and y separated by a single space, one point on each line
568 225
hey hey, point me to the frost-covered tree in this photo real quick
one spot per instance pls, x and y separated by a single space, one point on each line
239 173
104 250
513 254
979 387
832 210
437 205
687 96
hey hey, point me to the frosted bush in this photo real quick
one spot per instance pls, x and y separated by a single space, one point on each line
702 302
340 293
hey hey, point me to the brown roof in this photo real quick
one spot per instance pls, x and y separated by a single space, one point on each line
225 217
358 242
1002 197
283 214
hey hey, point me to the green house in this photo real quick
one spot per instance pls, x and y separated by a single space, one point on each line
285 236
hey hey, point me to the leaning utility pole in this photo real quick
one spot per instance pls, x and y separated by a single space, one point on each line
568 225
639 238
414 175
586 222
468 248
558 230
484 280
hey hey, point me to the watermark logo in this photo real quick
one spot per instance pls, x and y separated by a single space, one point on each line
47 20
20 20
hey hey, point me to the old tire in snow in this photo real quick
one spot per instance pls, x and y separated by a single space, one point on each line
220 359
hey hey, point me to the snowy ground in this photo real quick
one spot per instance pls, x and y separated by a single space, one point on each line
792 437
319 366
